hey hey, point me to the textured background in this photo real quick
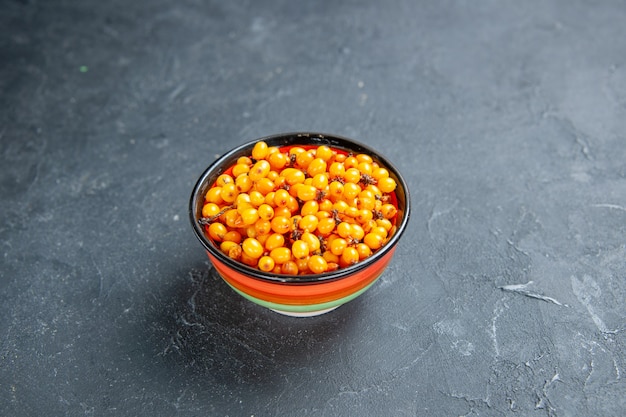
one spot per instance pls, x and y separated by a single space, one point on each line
506 295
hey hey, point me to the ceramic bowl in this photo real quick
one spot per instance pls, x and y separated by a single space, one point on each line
306 295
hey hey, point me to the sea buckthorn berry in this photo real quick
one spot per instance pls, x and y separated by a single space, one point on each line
343 230
250 231
263 227
259 170
239 169
292 176
316 166
264 185
365 168
266 212
281 198
266 263
363 157
379 230
356 232
282 211
310 207
351 162
330 257
351 212
363 216
231 249
233 219
388 210
278 160
308 223
324 152
233 236
300 249
311 240
386 185
213 195
326 226
229 192
366 203
289 268
338 245
243 183
320 181
250 216
363 250
275 240
351 190
223 179
385 224
217 231
273 175
244 160
307 192
259 151
252 248
335 189
379 173
336 170
317 264
256 198
303 265
293 205
326 205
281 224
295 150
249 260
269 199
352 175
340 157
349 256
210 210
281 255
243 201
340 206
304 159
374 240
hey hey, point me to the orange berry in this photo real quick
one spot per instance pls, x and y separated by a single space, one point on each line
316 166
262 227
386 185
210 210
233 236
289 268
260 150
349 256
280 224
374 240
213 195
299 249
281 255
217 231
252 248
266 263
223 180
317 264
259 170
239 169
275 240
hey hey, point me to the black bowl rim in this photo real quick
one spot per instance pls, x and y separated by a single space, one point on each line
291 139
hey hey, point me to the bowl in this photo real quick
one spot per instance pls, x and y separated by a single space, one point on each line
302 295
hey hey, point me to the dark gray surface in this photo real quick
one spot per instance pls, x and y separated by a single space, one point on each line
506 296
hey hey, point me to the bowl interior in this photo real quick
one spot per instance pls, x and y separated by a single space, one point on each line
223 163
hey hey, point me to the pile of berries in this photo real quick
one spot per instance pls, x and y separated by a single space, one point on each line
301 210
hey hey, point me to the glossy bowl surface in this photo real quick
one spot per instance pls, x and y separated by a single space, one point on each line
305 295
